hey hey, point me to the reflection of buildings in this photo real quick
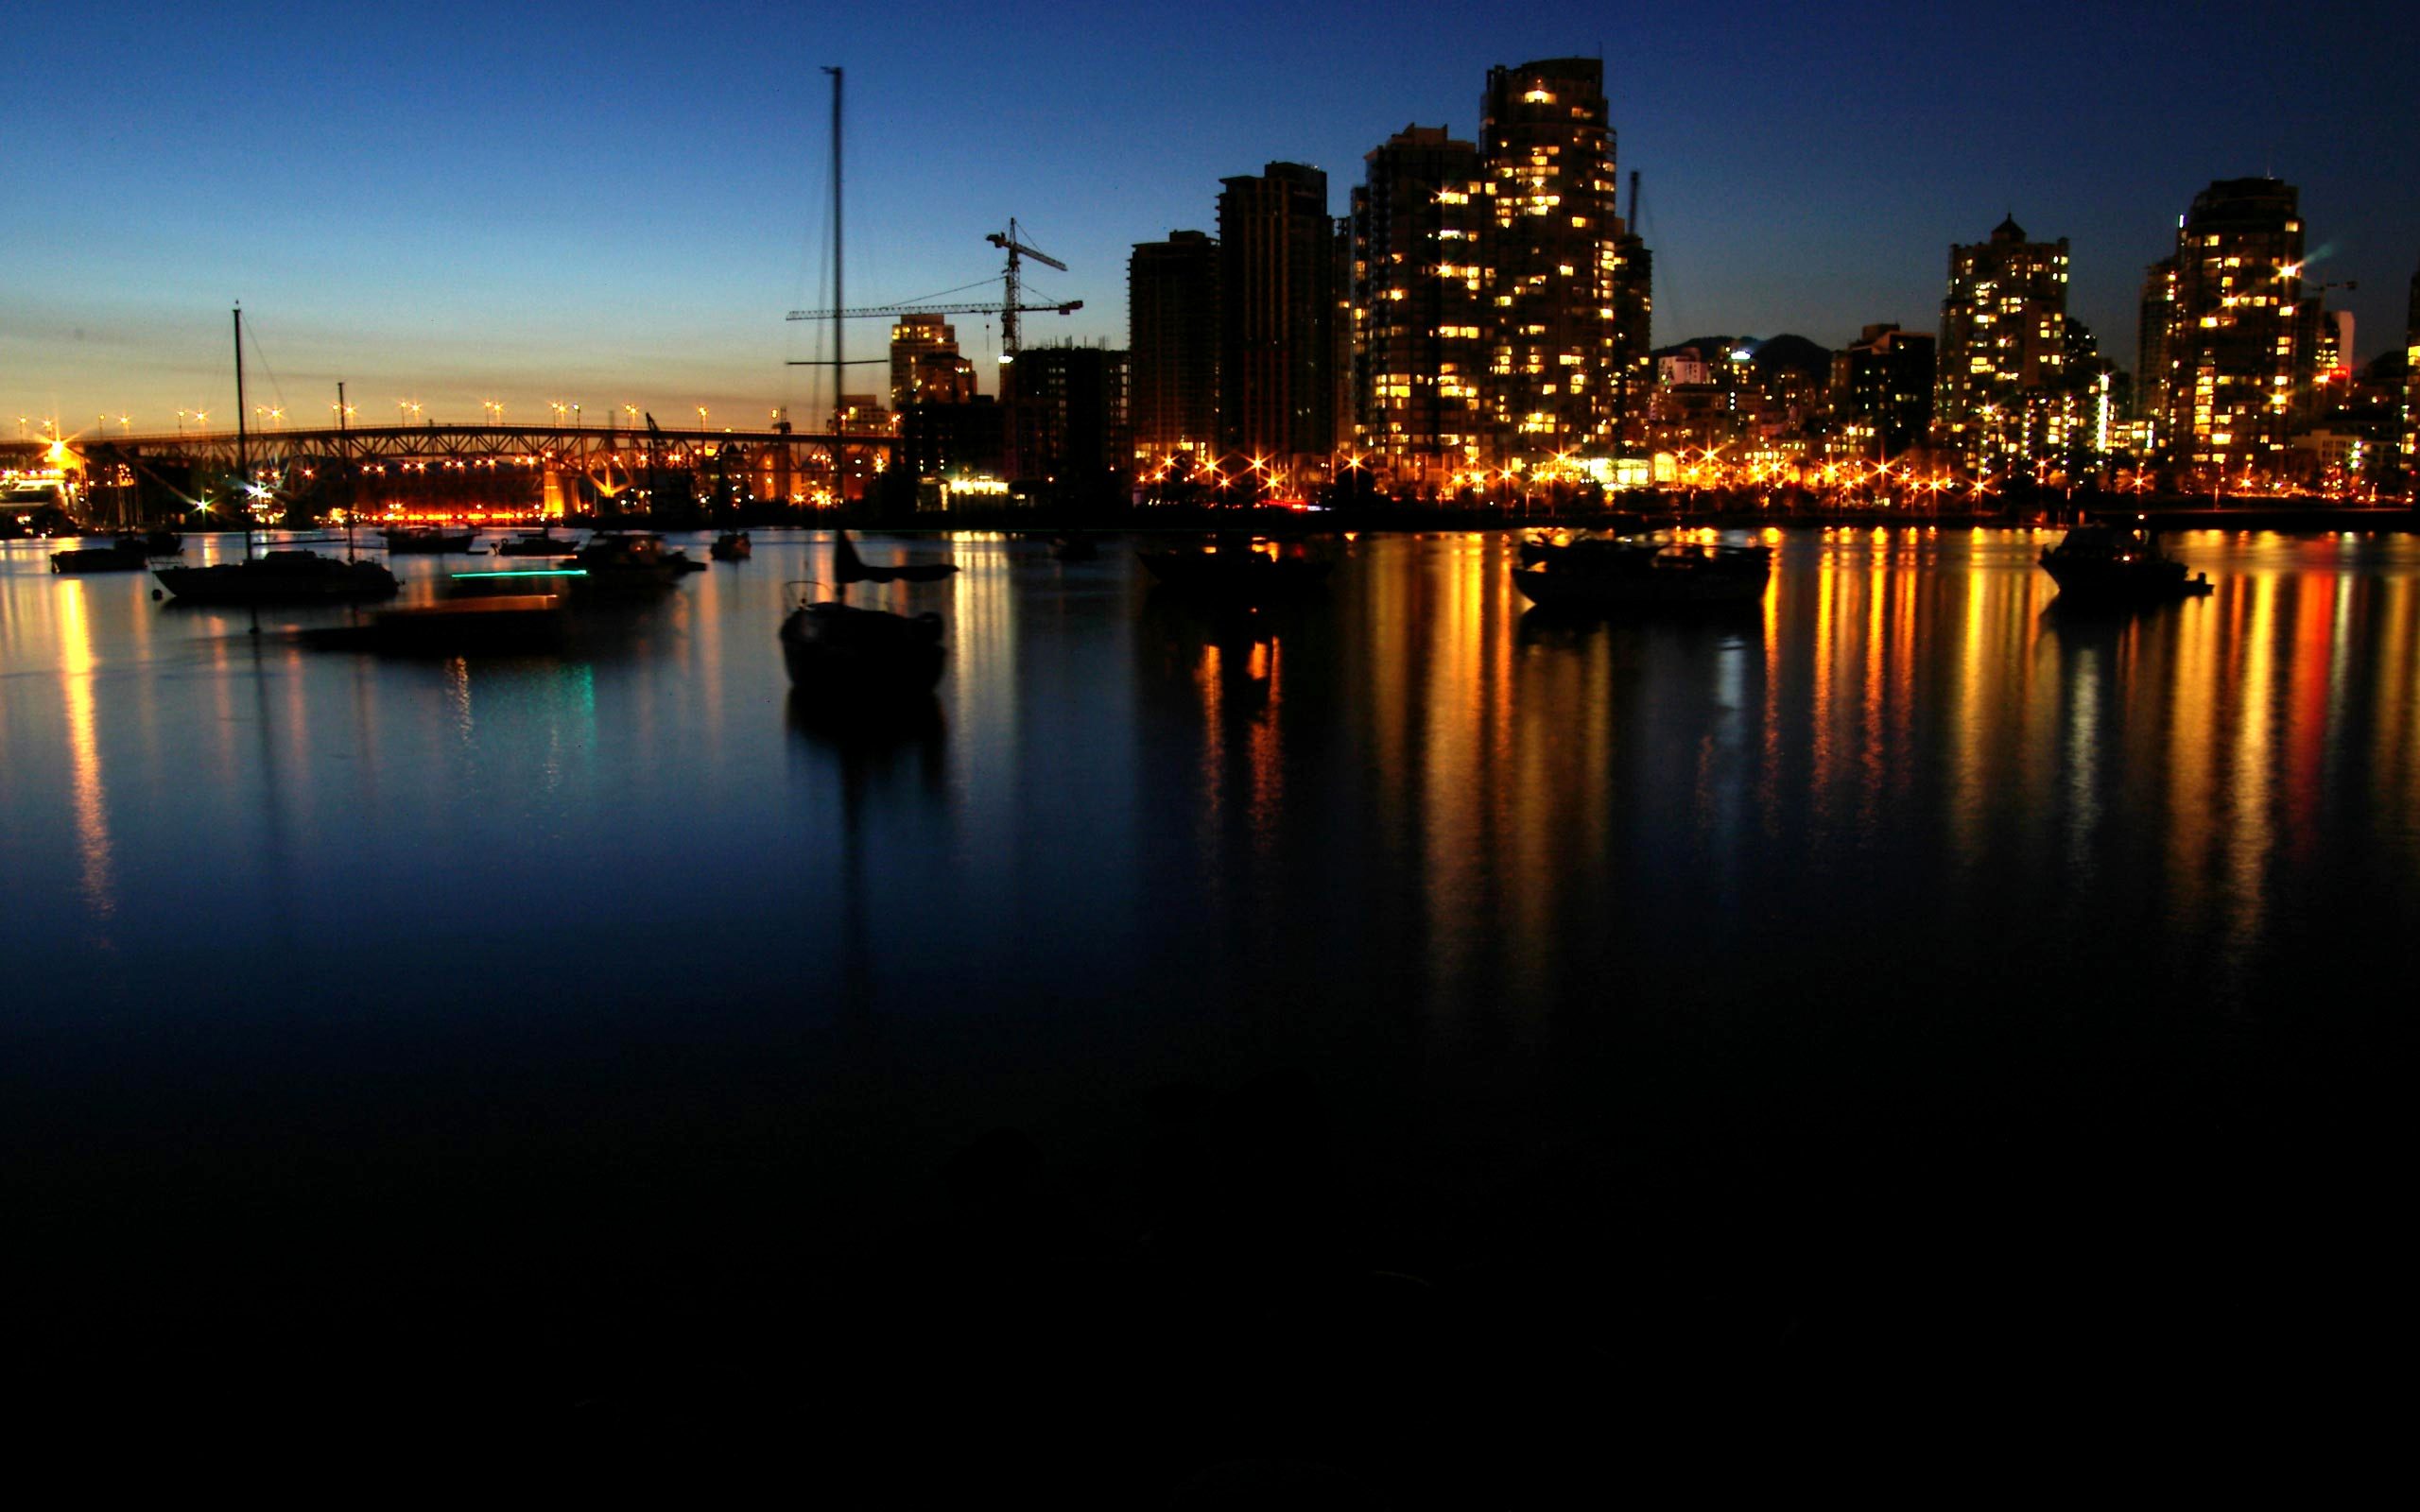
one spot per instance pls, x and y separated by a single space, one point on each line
2003 338
1172 342
1418 356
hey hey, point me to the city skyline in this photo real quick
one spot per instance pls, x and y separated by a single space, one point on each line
419 211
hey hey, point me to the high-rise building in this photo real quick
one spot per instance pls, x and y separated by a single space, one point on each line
2411 389
1277 301
915 338
2157 316
2231 348
1172 345
1882 388
1419 348
1071 416
2003 333
1557 358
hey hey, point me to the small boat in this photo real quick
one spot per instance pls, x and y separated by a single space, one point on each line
537 544
625 561
681 561
847 660
1608 575
154 543
276 576
1241 574
853 656
279 578
732 545
2118 563
126 556
427 541
456 627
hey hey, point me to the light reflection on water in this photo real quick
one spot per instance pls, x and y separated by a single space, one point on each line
1410 797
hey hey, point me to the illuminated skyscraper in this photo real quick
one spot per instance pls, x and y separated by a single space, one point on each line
2232 353
2003 335
1419 350
2411 389
1172 339
2157 316
1278 269
1882 389
1557 361
914 337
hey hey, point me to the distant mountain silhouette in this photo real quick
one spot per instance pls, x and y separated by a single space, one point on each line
1770 354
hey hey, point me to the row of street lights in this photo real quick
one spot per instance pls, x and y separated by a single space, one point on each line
408 412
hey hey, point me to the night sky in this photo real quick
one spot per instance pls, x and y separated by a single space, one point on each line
610 203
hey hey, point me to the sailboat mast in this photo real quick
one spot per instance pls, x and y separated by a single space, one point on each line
837 301
243 454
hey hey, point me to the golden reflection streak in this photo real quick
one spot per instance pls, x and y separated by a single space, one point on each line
2190 769
2251 836
2393 760
1828 576
98 882
1967 727
1452 837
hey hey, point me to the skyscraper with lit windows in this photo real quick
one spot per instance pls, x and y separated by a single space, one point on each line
1556 360
2232 350
2003 337
1172 342
1278 268
1419 351
2412 389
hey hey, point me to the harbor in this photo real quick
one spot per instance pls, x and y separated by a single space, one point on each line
402 1017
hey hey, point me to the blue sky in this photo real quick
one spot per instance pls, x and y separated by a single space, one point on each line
608 203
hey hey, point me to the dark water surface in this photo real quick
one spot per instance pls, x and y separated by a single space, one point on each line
1907 967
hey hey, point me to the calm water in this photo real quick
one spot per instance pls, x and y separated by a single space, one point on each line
323 966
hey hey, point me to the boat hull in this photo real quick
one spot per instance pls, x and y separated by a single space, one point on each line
858 656
427 544
279 578
2140 581
1647 583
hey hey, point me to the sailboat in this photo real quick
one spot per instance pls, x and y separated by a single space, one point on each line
844 660
847 658
272 577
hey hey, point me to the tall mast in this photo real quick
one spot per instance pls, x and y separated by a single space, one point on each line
243 454
837 301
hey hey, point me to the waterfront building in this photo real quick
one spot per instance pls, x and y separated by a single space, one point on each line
1172 346
949 441
1566 368
2003 335
1072 428
1882 389
2411 389
1419 348
2233 354
917 340
1278 272
2156 314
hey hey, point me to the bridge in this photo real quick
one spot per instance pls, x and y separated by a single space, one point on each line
778 464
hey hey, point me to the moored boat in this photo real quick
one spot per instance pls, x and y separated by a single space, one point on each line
279 578
426 541
1605 576
2118 563
732 545
625 561
543 542
126 556
854 656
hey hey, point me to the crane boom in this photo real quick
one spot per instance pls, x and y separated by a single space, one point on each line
1065 307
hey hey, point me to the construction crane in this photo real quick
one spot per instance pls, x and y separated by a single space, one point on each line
1010 307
